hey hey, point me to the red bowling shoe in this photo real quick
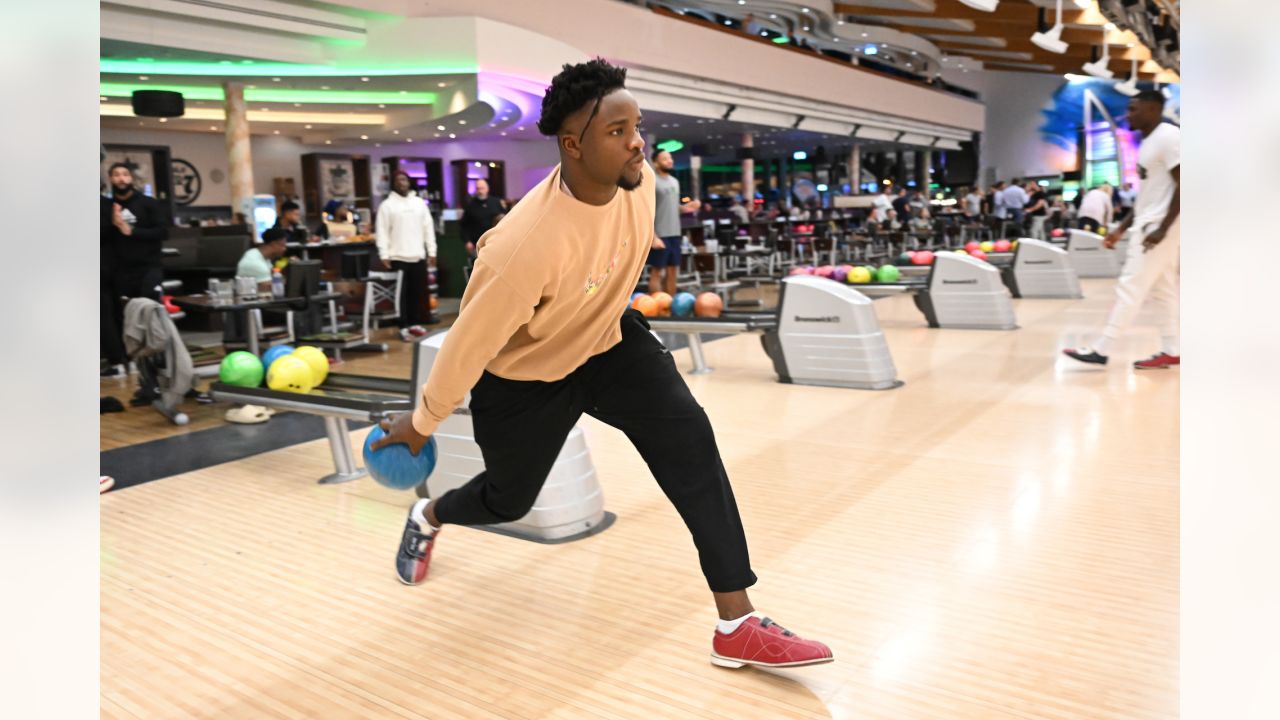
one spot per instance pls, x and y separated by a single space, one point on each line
761 641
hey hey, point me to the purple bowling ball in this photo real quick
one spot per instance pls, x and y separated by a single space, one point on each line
840 273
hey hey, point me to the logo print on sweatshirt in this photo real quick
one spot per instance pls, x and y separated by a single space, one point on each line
595 283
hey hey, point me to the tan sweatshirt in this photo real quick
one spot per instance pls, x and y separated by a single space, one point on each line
549 285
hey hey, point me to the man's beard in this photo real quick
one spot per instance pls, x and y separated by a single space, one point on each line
118 190
627 184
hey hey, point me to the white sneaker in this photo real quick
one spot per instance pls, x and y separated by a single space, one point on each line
406 335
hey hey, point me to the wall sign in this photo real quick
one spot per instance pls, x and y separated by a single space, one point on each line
186 182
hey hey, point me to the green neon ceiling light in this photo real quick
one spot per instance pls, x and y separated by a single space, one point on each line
281 95
781 39
670 145
251 68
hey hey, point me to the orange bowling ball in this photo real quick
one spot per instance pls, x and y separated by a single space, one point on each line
646 305
434 302
664 303
708 305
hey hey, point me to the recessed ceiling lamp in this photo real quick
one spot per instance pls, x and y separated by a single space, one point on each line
1052 40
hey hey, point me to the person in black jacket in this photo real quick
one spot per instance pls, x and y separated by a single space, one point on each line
480 213
133 229
290 220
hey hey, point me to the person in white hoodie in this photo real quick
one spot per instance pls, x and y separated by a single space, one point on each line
406 238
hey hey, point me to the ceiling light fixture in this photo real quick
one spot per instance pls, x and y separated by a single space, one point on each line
983 5
1130 87
1098 68
1052 40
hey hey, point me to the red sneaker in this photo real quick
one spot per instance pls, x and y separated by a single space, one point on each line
761 641
1160 361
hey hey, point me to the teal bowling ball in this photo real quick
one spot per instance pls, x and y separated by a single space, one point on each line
394 466
682 304
275 353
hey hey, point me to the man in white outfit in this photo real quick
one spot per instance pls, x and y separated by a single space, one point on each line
1151 269
406 239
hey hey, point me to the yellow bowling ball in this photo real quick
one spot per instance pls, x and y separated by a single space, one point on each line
961 251
858 275
986 246
290 374
315 359
1013 245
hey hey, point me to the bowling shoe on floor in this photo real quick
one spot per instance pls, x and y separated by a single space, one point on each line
1085 355
761 641
407 335
1160 361
105 483
414 555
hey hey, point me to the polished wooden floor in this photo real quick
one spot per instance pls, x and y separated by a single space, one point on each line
996 539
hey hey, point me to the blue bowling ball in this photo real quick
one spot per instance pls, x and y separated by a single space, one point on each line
634 295
394 466
682 304
275 353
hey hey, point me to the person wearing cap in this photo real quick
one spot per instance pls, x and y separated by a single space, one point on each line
337 221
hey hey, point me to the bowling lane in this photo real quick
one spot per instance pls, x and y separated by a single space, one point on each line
983 542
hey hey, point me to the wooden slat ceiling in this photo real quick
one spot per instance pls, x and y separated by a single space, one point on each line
1002 39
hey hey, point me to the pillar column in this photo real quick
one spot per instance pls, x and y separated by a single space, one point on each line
748 173
926 170
855 170
695 177
239 158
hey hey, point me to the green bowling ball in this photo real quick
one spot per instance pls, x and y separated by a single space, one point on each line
887 274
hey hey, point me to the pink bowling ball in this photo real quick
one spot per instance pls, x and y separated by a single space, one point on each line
971 245
1002 246
978 254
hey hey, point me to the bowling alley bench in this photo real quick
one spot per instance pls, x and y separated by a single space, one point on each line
569 507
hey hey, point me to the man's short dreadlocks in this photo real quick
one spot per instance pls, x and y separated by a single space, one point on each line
575 86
